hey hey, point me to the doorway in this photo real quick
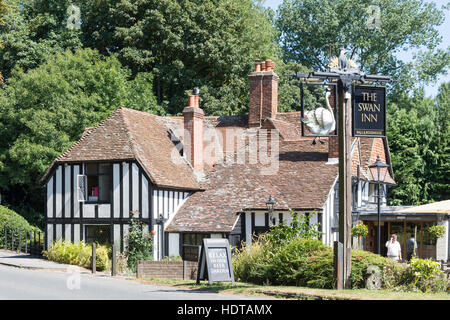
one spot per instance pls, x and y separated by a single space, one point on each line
372 239
426 245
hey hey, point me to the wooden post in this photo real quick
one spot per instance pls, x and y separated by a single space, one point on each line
404 251
34 242
94 257
338 270
113 261
421 241
345 182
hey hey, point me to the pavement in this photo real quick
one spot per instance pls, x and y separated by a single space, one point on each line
22 260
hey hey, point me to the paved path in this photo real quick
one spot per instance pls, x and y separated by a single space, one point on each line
21 260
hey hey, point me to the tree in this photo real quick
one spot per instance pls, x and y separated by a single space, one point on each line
3 11
32 32
441 173
44 111
418 135
186 44
372 36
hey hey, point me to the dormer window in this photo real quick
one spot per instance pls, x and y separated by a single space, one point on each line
98 182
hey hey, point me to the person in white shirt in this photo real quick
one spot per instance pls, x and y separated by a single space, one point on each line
394 249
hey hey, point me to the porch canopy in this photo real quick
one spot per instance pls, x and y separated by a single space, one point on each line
435 207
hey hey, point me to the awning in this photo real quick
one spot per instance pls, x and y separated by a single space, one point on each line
435 207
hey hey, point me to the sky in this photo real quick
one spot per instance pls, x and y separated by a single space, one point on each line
444 30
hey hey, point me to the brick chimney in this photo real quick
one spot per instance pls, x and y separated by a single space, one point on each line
263 93
193 132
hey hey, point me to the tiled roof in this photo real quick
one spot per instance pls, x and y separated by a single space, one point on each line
370 149
134 135
302 182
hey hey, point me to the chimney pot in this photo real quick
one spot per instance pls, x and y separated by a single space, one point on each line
263 66
191 100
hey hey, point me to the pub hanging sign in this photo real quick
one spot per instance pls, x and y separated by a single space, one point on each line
369 111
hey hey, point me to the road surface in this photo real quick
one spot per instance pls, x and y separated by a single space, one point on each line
25 284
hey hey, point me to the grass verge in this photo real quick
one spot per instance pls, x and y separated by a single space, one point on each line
296 293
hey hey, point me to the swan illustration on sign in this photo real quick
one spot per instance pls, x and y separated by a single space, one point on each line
321 121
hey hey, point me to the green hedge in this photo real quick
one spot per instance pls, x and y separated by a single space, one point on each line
13 221
63 251
308 262
299 262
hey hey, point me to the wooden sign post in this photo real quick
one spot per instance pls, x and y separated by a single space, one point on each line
215 261
369 120
345 186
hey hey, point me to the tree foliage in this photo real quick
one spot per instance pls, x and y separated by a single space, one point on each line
418 133
44 111
146 54
312 31
32 32
308 27
207 44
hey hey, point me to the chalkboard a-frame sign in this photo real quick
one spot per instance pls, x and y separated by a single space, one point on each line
215 261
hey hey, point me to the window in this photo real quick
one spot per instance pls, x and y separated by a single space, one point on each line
98 182
373 192
191 245
98 233
194 238
235 240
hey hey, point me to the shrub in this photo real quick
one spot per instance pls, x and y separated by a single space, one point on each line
426 276
307 262
139 244
300 227
290 264
63 251
103 261
392 272
289 255
247 260
13 221
121 263
360 230
436 232
173 257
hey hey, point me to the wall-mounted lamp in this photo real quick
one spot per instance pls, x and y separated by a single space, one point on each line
270 204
